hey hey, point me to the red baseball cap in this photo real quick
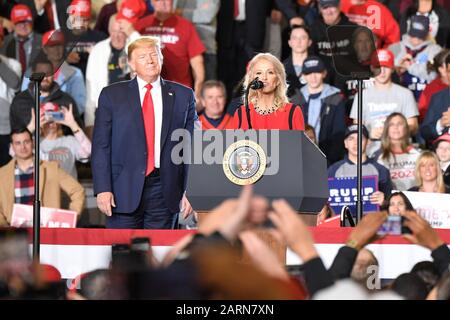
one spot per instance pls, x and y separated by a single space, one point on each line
385 57
46 272
53 37
132 10
81 8
21 13
49 106
443 137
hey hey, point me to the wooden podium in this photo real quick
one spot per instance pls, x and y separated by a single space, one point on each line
300 176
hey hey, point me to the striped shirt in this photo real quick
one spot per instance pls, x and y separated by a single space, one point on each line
24 185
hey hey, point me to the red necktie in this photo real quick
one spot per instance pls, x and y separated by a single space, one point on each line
236 8
49 11
22 55
149 124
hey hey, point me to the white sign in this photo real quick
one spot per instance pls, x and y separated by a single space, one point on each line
22 217
433 207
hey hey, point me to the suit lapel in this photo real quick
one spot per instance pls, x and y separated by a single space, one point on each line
135 105
9 181
168 99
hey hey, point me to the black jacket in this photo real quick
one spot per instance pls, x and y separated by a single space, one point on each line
255 27
438 105
20 113
332 124
291 76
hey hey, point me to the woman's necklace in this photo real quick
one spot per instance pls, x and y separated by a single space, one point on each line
264 111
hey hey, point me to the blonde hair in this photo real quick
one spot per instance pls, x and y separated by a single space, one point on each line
145 41
425 156
280 92
386 141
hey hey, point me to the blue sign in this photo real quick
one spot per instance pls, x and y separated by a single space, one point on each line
343 192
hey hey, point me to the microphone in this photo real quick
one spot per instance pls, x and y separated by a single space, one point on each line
255 84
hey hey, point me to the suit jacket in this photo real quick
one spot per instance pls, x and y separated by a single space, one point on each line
256 12
52 180
61 9
439 103
119 150
9 48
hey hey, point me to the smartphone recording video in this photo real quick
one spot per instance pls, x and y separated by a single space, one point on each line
392 226
54 115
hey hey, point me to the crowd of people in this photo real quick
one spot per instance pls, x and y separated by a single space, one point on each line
121 77
227 260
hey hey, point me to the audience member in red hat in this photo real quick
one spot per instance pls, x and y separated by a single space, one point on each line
10 77
181 44
384 98
23 44
79 18
69 78
79 15
131 10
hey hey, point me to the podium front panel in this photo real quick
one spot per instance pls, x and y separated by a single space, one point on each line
301 177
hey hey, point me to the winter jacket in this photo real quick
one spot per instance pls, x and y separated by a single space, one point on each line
71 81
332 120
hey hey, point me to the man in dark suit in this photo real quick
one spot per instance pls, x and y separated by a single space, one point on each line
137 183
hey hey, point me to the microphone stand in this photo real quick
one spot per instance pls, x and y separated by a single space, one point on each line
247 108
255 84
37 79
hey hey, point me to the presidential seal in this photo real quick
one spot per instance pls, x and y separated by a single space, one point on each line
244 162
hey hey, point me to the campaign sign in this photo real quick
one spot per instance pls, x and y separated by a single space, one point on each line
433 207
343 192
22 217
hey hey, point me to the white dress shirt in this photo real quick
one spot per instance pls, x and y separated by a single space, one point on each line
158 108
241 16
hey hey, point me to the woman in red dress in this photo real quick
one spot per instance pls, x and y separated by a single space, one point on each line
269 106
